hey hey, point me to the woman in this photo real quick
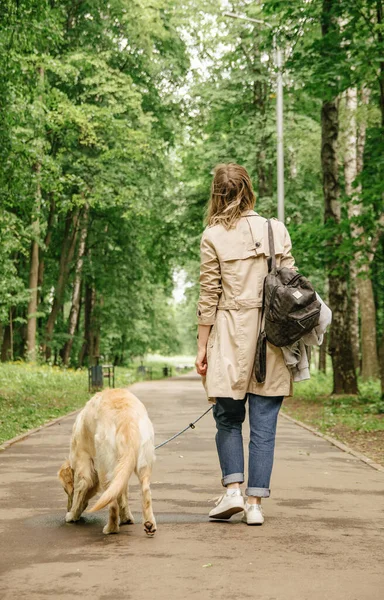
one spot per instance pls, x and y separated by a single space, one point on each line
234 253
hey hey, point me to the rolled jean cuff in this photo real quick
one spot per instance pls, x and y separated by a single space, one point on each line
259 492
233 478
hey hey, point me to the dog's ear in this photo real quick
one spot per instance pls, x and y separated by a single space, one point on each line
65 476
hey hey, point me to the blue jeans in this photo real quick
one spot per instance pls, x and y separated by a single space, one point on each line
229 415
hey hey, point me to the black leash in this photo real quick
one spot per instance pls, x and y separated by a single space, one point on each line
190 426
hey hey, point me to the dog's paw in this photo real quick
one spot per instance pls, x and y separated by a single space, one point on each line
110 529
127 521
69 517
150 528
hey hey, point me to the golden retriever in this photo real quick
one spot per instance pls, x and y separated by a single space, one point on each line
111 437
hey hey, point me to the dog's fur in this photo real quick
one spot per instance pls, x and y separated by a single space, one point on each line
112 437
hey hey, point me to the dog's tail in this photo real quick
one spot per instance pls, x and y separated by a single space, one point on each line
123 471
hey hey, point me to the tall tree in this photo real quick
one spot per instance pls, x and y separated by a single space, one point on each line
350 174
34 254
76 292
361 283
340 346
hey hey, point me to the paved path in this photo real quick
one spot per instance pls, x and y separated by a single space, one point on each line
323 536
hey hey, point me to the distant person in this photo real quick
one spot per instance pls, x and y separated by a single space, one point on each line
234 253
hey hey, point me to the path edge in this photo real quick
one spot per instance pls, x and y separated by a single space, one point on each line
30 432
368 461
363 457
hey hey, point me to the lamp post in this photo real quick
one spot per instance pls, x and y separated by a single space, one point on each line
279 115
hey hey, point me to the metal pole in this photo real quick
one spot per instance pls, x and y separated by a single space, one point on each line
280 136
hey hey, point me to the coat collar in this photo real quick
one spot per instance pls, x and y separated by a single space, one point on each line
250 213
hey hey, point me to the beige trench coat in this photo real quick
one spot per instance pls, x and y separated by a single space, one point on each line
232 271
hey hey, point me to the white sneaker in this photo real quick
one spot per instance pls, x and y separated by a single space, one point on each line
253 514
229 504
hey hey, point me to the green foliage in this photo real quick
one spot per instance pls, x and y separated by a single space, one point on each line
313 403
316 387
89 117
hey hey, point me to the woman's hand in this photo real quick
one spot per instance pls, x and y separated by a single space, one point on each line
201 358
201 361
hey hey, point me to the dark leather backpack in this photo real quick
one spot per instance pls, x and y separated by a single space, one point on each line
290 308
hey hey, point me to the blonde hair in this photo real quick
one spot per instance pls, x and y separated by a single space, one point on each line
231 194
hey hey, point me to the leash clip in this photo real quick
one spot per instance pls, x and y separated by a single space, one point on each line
190 426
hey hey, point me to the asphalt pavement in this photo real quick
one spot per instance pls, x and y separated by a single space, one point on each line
323 536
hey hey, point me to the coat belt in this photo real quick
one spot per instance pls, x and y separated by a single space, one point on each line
236 303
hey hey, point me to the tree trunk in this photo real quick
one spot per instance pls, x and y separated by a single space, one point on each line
323 355
6 344
370 360
369 355
66 257
11 334
76 293
80 308
96 326
87 348
33 285
34 274
350 173
261 92
47 240
7 339
380 37
381 355
340 346
354 315
264 174
34 254
362 133
123 344
91 345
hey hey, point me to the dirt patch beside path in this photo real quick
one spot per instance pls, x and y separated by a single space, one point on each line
318 415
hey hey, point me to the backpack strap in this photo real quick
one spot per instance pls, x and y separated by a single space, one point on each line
271 243
260 364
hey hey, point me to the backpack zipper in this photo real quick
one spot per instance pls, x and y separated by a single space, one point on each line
293 280
303 319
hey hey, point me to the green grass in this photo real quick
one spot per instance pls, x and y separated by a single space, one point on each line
313 403
31 395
